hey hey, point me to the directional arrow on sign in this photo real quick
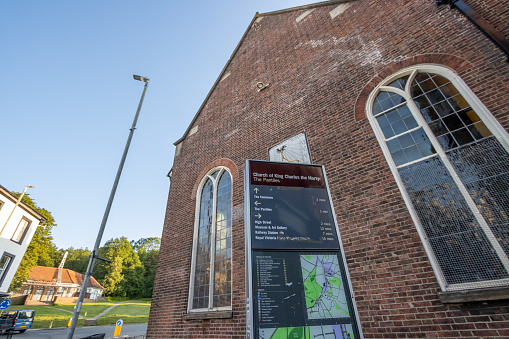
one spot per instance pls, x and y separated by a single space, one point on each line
257 203
258 215
5 304
256 190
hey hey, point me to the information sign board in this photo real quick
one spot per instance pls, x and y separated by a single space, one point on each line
298 285
290 207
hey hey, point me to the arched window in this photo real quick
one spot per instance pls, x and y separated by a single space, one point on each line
450 158
210 285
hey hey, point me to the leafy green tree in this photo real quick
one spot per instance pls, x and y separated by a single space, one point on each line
77 259
148 250
149 262
133 282
146 244
41 250
123 259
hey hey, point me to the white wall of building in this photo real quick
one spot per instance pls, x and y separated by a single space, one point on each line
7 244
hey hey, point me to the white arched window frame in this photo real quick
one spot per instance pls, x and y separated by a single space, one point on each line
487 118
213 301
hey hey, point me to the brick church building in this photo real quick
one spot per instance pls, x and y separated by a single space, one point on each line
406 105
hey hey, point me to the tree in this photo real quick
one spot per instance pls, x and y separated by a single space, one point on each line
148 250
123 260
41 250
149 262
77 259
146 244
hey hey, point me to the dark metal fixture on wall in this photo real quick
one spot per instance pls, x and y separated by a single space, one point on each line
490 31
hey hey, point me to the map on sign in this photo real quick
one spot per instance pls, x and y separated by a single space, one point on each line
323 287
341 331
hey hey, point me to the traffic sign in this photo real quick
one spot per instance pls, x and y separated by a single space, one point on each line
5 304
118 328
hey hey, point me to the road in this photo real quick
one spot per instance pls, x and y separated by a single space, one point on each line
61 333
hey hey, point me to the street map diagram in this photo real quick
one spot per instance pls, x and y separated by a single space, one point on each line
343 331
323 287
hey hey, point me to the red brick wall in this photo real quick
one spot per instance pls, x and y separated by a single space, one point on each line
319 70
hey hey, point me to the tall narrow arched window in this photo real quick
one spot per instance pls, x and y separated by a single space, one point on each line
450 158
210 285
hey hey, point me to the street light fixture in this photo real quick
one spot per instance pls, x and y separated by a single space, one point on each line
93 256
140 78
17 203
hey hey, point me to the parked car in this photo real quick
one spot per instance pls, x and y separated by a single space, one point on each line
7 320
16 320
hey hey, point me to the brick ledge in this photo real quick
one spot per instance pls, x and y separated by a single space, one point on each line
454 297
208 315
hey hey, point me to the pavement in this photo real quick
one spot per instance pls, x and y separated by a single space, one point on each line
133 330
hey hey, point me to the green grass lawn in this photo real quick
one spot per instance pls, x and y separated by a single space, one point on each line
132 312
92 309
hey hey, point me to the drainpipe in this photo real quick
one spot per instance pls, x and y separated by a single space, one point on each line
485 27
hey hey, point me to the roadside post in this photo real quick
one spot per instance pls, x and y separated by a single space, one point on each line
69 322
118 328
93 257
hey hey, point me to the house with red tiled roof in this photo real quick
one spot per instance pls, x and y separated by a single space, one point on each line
57 284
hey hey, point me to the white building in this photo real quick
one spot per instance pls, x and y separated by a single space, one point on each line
52 284
18 223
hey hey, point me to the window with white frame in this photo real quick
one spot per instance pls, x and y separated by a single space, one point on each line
450 158
27 290
211 282
21 231
38 293
5 263
49 294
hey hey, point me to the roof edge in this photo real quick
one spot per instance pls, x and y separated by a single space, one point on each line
315 5
257 15
8 194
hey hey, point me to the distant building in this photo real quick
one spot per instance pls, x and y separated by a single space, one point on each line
18 223
52 284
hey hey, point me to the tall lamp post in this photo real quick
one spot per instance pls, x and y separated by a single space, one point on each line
17 203
93 256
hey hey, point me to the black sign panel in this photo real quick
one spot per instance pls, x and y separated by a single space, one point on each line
303 294
290 208
298 282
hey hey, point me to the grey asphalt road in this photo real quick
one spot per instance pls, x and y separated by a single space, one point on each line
61 333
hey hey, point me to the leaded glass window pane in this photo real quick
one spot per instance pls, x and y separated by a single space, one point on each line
484 169
459 194
448 114
212 270
202 268
461 247
222 264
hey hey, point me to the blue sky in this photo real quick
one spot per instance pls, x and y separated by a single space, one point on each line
68 100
